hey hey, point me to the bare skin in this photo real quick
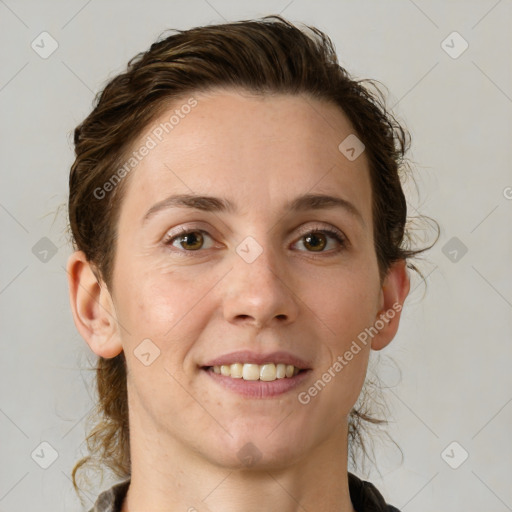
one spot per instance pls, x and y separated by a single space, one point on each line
197 299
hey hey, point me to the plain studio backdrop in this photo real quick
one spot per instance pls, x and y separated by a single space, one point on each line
449 387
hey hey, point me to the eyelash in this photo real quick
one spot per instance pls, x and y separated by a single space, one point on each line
337 235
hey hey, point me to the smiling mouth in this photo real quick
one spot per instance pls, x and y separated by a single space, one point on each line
248 371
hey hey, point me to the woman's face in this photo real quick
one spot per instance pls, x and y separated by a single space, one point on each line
260 276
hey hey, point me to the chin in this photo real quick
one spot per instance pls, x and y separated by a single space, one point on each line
253 451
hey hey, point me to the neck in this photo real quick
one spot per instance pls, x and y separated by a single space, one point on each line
176 478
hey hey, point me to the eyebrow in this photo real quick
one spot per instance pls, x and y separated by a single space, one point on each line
217 204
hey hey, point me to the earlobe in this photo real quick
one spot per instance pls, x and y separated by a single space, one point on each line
394 291
92 307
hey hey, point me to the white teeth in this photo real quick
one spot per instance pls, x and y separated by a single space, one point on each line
268 372
251 372
248 371
237 370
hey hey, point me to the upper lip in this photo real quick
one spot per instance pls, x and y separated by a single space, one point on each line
247 356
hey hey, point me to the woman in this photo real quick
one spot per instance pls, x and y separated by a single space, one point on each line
240 234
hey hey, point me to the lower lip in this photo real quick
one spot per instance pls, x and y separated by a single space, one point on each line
258 388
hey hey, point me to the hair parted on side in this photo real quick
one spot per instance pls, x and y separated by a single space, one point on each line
267 56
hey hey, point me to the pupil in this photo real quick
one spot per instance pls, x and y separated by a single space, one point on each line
198 239
314 237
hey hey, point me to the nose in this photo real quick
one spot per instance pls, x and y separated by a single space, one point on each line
260 292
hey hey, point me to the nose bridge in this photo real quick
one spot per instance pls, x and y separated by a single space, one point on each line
258 290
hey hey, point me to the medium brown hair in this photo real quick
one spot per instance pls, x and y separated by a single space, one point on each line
264 56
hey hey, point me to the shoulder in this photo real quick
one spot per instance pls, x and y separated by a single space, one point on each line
111 499
365 497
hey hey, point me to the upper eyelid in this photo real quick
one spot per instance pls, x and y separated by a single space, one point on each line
322 227
319 226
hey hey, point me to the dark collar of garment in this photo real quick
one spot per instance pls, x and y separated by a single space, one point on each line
364 496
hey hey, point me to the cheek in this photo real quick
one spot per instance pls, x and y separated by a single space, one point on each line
162 306
144 297
345 301
345 306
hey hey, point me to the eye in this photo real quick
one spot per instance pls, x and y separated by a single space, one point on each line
190 240
317 240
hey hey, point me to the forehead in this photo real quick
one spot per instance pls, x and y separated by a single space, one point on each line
258 150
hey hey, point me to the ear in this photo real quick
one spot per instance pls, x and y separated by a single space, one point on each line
92 307
394 291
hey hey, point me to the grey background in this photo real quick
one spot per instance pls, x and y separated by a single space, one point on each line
454 345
